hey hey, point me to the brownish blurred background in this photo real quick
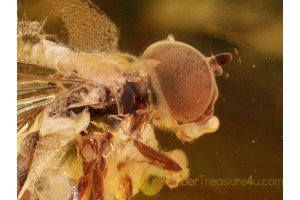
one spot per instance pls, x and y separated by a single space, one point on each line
250 138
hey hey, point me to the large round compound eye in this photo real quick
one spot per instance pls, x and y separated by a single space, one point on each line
183 79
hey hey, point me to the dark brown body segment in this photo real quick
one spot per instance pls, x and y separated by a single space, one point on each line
25 157
157 157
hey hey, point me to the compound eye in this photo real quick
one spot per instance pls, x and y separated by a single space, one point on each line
183 80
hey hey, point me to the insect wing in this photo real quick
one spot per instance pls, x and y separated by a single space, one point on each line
38 87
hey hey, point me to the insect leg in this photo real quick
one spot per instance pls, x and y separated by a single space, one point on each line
157 157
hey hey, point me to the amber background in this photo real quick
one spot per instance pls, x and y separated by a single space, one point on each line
250 138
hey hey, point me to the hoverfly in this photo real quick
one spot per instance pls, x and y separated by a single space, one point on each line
86 121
